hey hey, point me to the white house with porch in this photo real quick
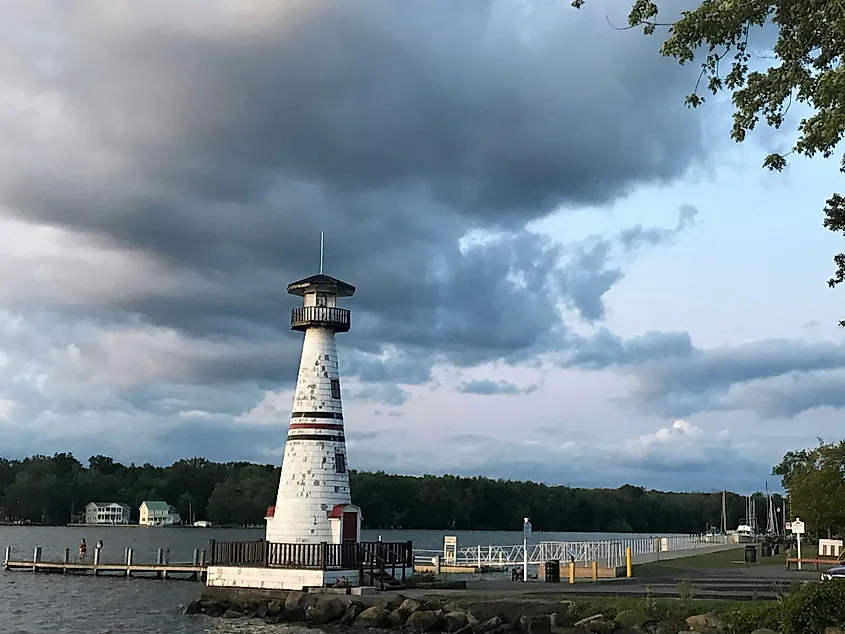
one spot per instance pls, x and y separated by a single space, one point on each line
156 513
110 513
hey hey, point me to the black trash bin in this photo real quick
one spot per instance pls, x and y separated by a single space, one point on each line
553 571
751 554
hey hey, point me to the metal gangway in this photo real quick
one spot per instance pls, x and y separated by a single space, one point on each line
609 553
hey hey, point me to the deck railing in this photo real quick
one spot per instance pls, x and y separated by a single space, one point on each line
384 556
609 552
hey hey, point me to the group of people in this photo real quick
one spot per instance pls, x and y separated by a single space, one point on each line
83 548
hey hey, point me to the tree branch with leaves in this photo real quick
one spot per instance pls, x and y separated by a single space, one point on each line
809 70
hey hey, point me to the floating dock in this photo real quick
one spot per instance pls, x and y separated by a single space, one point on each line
195 570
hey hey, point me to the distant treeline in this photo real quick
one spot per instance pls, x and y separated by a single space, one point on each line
55 490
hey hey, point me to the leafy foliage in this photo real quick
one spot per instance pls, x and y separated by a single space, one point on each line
815 482
49 490
808 52
814 608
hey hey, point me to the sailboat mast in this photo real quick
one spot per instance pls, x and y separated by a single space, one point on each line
724 514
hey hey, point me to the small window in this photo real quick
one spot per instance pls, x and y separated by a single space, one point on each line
335 388
321 299
340 462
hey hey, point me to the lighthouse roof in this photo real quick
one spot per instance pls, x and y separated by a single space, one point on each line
324 283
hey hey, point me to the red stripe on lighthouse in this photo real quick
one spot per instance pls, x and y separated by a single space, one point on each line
329 426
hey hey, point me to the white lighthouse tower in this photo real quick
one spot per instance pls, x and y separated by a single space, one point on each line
313 504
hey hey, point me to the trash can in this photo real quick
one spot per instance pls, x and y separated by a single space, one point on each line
553 571
751 554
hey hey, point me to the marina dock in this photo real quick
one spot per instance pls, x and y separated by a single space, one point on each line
162 568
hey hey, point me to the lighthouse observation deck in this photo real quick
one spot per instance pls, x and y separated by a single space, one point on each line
304 317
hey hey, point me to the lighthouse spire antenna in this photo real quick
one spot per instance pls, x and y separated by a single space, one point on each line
321 253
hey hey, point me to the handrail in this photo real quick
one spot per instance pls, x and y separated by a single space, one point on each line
313 556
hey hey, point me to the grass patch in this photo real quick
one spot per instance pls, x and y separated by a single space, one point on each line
724 560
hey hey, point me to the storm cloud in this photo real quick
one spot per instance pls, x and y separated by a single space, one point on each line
168 169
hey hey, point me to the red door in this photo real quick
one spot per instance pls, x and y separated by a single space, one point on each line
350 528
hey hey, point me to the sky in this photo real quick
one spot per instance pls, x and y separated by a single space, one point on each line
563 273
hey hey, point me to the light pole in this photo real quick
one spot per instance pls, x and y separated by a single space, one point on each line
526 535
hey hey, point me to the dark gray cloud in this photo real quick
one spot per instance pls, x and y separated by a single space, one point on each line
489 387
672 377
220 146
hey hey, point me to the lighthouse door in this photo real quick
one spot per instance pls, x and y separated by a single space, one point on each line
350 528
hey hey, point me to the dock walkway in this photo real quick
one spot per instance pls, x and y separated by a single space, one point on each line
163 568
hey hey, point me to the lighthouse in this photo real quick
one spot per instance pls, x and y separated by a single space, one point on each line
313 503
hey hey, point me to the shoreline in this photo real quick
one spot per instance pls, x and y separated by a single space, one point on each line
477 612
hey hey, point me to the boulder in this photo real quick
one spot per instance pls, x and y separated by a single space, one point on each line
410 606
293 599
214 609
326 610
487 626
631 618
232 614
376 616
260 610
192 607
466 629
471 620
537 624
398 617
422 621
454 621
274 609
293 615
703 623
394 602
353 609
832 629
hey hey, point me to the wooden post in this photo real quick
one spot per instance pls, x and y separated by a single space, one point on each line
595 571
166 559
36 557
572 571
7 557
628 561
195 560
211 544
159 557
202 558
66 559
128 562
96 560
437 565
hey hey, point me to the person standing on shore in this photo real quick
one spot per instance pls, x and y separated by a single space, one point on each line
83 549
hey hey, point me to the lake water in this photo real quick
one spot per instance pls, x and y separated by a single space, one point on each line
40 603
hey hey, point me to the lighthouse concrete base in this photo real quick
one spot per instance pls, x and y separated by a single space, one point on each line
276 578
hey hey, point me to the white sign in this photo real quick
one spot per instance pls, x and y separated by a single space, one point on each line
526 529
797 527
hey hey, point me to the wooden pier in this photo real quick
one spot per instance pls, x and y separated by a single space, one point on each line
163 568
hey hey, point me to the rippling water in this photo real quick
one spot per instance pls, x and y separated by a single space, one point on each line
55 604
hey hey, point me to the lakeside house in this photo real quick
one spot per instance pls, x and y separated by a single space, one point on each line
107 513
157 513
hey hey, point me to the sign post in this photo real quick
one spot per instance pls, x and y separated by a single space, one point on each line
526 535
797 528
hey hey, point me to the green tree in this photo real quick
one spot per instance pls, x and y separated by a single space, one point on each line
815 482
807 69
